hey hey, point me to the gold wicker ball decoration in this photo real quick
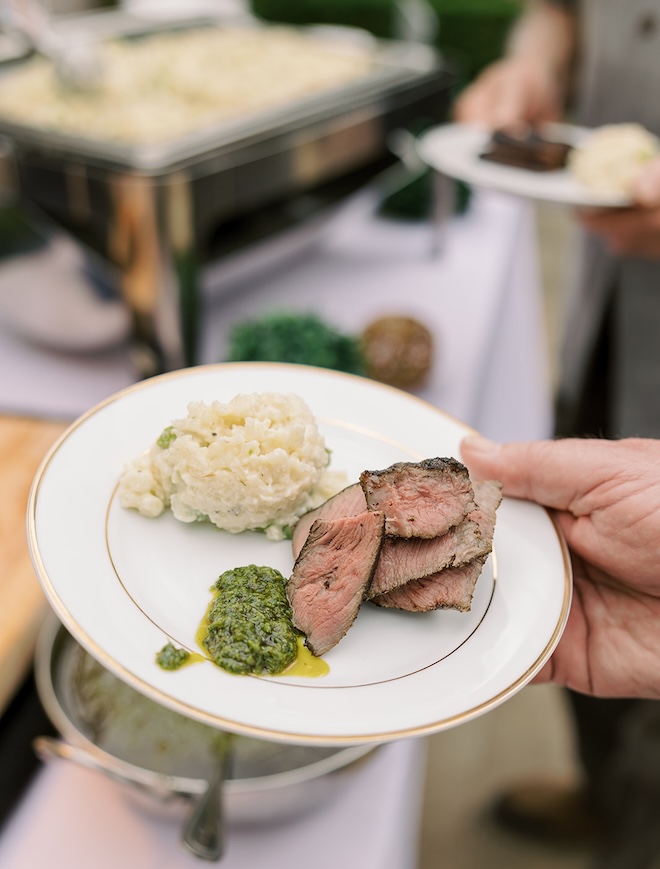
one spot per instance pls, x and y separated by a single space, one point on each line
397 350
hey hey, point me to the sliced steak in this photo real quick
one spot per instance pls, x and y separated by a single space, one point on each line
349 502
451 588
331 575
420 499
403 559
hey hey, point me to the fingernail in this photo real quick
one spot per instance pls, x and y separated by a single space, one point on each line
479 444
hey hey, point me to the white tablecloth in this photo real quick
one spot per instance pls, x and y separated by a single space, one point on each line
481 300
74 818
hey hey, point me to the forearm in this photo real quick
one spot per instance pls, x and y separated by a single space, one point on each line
546 36
531 82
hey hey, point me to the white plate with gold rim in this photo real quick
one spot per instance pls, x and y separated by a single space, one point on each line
124 584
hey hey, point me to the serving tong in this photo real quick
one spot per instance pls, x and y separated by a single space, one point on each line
76 64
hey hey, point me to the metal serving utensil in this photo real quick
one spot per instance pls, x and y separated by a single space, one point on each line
76 63
204 832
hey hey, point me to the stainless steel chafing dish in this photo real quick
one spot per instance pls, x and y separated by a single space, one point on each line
157 212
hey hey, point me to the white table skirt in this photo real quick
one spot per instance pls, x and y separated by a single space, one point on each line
74 818
482 301
480 298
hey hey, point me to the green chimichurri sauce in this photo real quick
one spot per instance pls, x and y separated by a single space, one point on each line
171 658
248 627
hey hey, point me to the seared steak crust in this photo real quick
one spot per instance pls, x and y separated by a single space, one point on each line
331 575
420 499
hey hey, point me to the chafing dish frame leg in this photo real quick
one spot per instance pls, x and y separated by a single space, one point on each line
152 241
444 207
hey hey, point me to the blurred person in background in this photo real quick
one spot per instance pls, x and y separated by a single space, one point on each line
599 60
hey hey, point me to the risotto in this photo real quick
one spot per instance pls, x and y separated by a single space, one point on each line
174 84
256 463
610 157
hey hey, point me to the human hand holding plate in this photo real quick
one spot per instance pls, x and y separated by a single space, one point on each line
607 497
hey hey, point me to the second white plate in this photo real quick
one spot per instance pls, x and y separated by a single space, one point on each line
454 150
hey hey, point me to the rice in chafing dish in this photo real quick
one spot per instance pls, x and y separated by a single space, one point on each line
256 463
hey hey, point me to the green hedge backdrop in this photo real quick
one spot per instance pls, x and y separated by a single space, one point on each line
471 32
